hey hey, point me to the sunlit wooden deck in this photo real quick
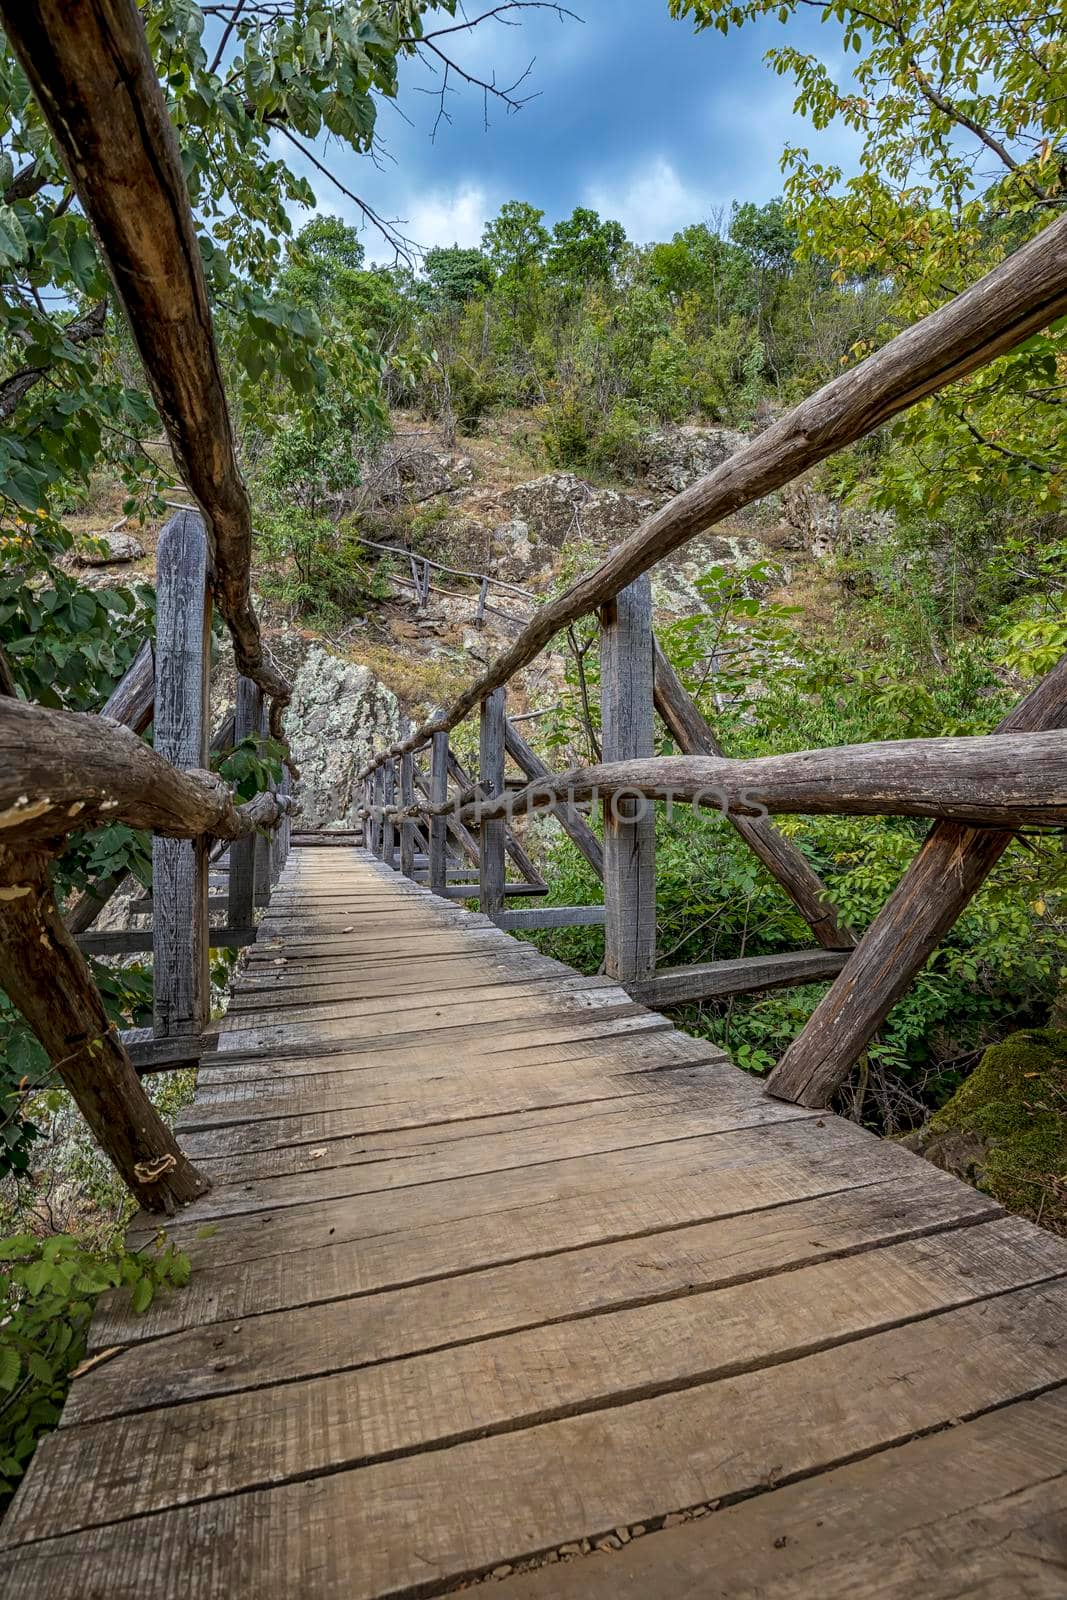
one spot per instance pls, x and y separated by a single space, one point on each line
501 1276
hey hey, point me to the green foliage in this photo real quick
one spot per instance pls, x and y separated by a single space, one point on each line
585 249
959 111
252 766
516 240
456 275
48 1288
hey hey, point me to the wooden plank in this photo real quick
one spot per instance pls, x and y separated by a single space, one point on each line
359 1329
943 877
96 1474
881 1511
629 825
779 855
633 1462
571 821
248 712
438 826
245 1089
756 1166
462 1104
509 891
484 1154
709 980
551 917
182 984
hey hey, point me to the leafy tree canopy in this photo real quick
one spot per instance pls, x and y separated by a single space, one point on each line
456 275
584 249
517 239
961 111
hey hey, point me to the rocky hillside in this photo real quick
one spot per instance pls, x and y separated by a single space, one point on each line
485 509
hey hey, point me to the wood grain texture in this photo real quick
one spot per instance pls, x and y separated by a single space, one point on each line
468 1291
247 714
438 827
499 1498
679 986
181 996
629 824
946 873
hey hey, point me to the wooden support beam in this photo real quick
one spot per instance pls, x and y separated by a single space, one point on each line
248 712
626 678
130 941
572 823
182 982
438 826
782 859
491 779
261 883
408 830
714 980
512 847
388 826
463 839
551 917
944 876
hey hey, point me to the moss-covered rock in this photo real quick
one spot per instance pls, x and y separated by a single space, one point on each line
1005 1130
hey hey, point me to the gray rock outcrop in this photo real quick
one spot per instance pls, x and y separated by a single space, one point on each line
340 713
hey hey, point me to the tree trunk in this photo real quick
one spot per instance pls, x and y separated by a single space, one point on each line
45 975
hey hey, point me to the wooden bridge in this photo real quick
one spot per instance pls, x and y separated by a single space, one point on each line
501 1276
495 1274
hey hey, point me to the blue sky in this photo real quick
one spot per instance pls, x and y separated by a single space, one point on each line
635 115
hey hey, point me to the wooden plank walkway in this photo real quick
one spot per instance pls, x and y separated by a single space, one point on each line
499 1268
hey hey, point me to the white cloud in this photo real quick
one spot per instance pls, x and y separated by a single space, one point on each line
447 216
652 202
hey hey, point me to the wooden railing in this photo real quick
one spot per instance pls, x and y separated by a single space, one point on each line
204 894
978 793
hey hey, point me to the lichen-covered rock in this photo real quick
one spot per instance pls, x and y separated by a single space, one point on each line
824 525
106 548
674 458
561 506
1005 1129
340 714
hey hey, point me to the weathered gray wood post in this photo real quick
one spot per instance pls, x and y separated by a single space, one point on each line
626 684
262 844
375 818
388 824
407 827
438 829
491 835
279 839
182 999
246 721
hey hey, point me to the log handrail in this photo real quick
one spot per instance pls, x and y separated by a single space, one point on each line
1001 311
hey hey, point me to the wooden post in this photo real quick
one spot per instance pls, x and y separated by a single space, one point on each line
246 720
950 868
182 998
438 825
626 678
388 825
377 790
569 819
407 827
279 839
261 863
491 781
